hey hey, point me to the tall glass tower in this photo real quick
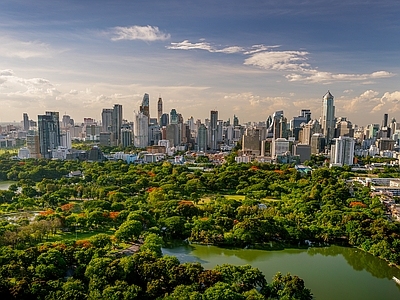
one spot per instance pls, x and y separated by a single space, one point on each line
328 117
145 107
49 133
159 110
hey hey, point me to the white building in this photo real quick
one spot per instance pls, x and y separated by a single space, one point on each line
59 153
24 153
342 152
141 130
279 146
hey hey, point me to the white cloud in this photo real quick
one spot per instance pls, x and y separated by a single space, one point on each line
186 45
260 48
229 50
203 45
10 47
6 72
145 33
279 60
285 61
315 76
369 102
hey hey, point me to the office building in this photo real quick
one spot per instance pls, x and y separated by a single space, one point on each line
141 130
26 122
342 151
279 146
159 110
317 143
212 130
251 144
202 138
296 122
33 144
328 117
127 137
106 119
145 107
116 123
49 133
173 116
303 151
343 127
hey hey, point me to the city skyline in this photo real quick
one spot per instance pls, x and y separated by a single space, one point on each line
246 59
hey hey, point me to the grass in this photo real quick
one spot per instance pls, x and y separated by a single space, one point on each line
206 200
79 235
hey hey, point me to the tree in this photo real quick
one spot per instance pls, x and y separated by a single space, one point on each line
129 231
221 291
288 287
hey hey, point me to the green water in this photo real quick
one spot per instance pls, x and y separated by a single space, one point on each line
331 273
5 184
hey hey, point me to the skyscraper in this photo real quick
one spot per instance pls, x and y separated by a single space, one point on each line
328 117
342 152
202 138
141 130
106 119
117 123
145 107
213 129
33 144
159 110
49 133
173 116
26 122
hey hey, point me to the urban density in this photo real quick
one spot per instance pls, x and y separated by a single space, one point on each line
280 139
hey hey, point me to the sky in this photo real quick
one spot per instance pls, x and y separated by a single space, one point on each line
244 58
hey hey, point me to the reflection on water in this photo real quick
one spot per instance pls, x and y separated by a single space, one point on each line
330 272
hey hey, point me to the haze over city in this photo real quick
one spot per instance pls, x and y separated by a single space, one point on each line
245 58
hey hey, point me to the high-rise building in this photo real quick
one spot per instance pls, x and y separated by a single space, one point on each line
126 135
141 130
295 123
49 133
159 110
251 144
385 120
145 107
328 116
66 122
277 126
344 127
26 122
116 123
164 121
279 146
213 134
173 116
202 138
106 119
172 134
65 140
33 144
235 121
317 142
342 151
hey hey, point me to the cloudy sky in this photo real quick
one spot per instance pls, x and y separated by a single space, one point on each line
247 58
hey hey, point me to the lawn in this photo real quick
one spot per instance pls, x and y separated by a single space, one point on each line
205 200
79 235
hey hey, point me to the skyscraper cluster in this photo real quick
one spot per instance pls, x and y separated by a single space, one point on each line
279 138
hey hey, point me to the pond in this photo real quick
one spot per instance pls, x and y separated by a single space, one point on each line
331 272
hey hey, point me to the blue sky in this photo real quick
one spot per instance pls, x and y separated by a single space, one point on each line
247 58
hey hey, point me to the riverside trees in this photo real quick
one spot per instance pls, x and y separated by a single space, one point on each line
277 206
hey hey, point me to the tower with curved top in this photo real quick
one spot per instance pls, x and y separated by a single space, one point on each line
328 117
